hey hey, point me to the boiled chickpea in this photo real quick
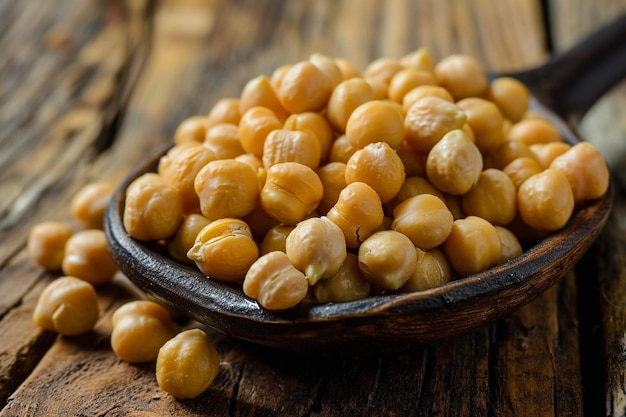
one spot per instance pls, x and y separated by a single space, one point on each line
511 96
494 198
429 119
254 127
223 140
291 146
414 162
462 75
348 284
375 121
225 110
509 244
304 87
531 131
46 244
341 150
345 98
259 92
87 257
90 202
315 124
422 91
275 238
485 120
333 178
387 259
382 69
328 66
425 219
521 169
545 153
186 236
506 152
191 130
418 59
347 68
407 79
433 270
472 246
411 187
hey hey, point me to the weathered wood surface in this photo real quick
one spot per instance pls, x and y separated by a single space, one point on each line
89 89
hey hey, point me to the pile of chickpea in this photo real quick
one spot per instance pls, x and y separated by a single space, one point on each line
324 182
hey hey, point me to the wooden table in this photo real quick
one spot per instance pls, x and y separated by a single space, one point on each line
89 89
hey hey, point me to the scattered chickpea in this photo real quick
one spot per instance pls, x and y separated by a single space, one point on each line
90 202
87 257
46 244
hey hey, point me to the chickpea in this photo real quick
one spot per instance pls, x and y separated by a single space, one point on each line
433 270
87 257
333 178
90 202
345 98
494 198
315 124
341 150
387 259
140 329
380 167
46 244
462 75
328 66
260 221
317 247
153 208
382 69
275 283
291 192
509 244
521 169
429 119
223 140
68 306
545 153
414 162
531 131
485 120
506 152
348 284
375 121
275 238
511 96
304 87
254 127
227 188
256 164
454 164
191 130
347 68
225 110
419 59
187 364
545 201
425 219
407 79
276 78
259 92
186 236
472 246
224 250
379 88
291 146
411 187
422 91
586 171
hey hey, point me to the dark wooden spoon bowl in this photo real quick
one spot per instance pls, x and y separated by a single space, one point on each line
382 323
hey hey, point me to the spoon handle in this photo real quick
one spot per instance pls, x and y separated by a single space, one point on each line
571 82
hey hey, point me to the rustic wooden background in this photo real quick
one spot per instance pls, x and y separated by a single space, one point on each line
88 89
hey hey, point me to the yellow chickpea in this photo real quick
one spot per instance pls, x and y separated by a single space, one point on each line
275 238
275 283
254 127
462 75
422 91
140 329
87 257
429 119
433 270
521 169
347 68
472 246
223 140
454 164
407 79
227 188
545 201
531 131
225 110
185 236
191 130
46 244
328 66
379 88
187 364
315 124
341 150
276 78
506 152
511 96
586 171
494 198
348 284
425 219
485 120
545 153
256 164
414 162
291 192
509 244
382 69
380 167
345 98
333 178
304 87
291 146
387 259
411 187
375 121
259 92
224 250
358 213
90 202
418 59
68 306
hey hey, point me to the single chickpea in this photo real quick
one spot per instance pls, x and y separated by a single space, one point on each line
87 257
429 119
185 236
347 68
422 91
419 59
259 92
506 152
521 169
382 69
379 88
227 188
291 192
179 167
68 306
531 131
315 124
586 171
485 120
509 244
225 110
454 164
348 284
260 221
511 96
224 250
276 78
317 247
425 219
256 164
545 153
275 238
462 75
187 364
345 98
90 202
411 187
380 167
472 246
545 201
341 150
333 177
387 259
328 66
254 127
46 244
304 87
433 270
375 121
407 79
291 146
494 198
275 283
358 213
191 130
140 329
414 162
223 140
